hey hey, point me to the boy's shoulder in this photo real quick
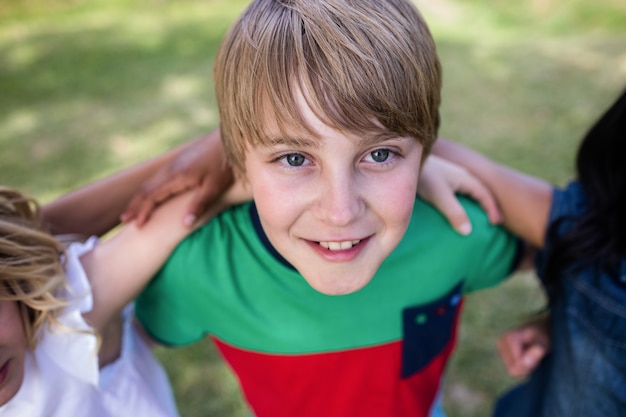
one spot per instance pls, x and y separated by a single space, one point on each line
428 220
238 217
233 231
482 258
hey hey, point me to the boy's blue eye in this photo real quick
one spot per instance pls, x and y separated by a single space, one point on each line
380 155
295 159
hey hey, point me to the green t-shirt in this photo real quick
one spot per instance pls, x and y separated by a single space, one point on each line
222 280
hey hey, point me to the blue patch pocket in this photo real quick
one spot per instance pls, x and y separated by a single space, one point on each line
427 330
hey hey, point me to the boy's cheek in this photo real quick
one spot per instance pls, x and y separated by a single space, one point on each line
399 194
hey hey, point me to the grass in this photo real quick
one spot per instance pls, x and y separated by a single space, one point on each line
90 87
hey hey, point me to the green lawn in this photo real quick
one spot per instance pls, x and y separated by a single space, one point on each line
90 87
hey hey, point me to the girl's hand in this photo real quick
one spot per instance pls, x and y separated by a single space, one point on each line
441 180
200 165
522 349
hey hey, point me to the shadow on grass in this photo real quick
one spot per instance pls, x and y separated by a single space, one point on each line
73 100
203 385
528 103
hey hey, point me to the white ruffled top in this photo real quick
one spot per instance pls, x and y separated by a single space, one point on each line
62 378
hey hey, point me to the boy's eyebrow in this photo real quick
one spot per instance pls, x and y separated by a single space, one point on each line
367 140
375 139
292 141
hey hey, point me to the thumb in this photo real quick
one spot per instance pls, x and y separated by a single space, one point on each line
533 356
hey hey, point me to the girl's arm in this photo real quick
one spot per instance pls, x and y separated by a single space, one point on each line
96 208
119 267
524 200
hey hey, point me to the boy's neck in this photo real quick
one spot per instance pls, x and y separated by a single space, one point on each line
256 222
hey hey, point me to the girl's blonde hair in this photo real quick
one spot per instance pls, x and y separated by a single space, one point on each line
363 66
31 271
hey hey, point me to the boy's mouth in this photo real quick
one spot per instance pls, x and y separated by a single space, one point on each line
336 246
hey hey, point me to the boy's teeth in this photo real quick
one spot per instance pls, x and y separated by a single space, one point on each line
339 245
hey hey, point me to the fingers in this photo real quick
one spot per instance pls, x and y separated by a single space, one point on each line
203 197
526 362
479 192
200 163
437 185
522 349
151 195
139 210
511 353
532 357
441 180
136 210
453 211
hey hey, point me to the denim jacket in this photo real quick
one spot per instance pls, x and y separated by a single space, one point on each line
585 373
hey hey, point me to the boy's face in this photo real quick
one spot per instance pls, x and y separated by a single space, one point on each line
13 347
334 206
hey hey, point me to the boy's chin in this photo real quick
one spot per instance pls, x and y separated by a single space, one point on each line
338 286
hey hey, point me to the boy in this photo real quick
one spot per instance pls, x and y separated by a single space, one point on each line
335 292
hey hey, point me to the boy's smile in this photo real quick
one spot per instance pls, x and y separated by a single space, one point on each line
334 205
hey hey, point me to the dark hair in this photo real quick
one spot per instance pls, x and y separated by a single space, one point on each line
598 237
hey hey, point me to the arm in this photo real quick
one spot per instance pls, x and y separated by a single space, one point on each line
96 208
119 267
523 200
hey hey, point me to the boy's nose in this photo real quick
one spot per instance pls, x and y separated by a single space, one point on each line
340 202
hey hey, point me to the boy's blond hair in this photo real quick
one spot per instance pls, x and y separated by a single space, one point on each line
31 271
363 66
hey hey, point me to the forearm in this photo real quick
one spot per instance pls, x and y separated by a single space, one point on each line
95 208
119 267
524 200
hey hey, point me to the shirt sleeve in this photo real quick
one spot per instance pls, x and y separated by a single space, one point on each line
496 252
166 307
567 205
73 344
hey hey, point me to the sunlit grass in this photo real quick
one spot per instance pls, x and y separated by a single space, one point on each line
89 87
123 81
